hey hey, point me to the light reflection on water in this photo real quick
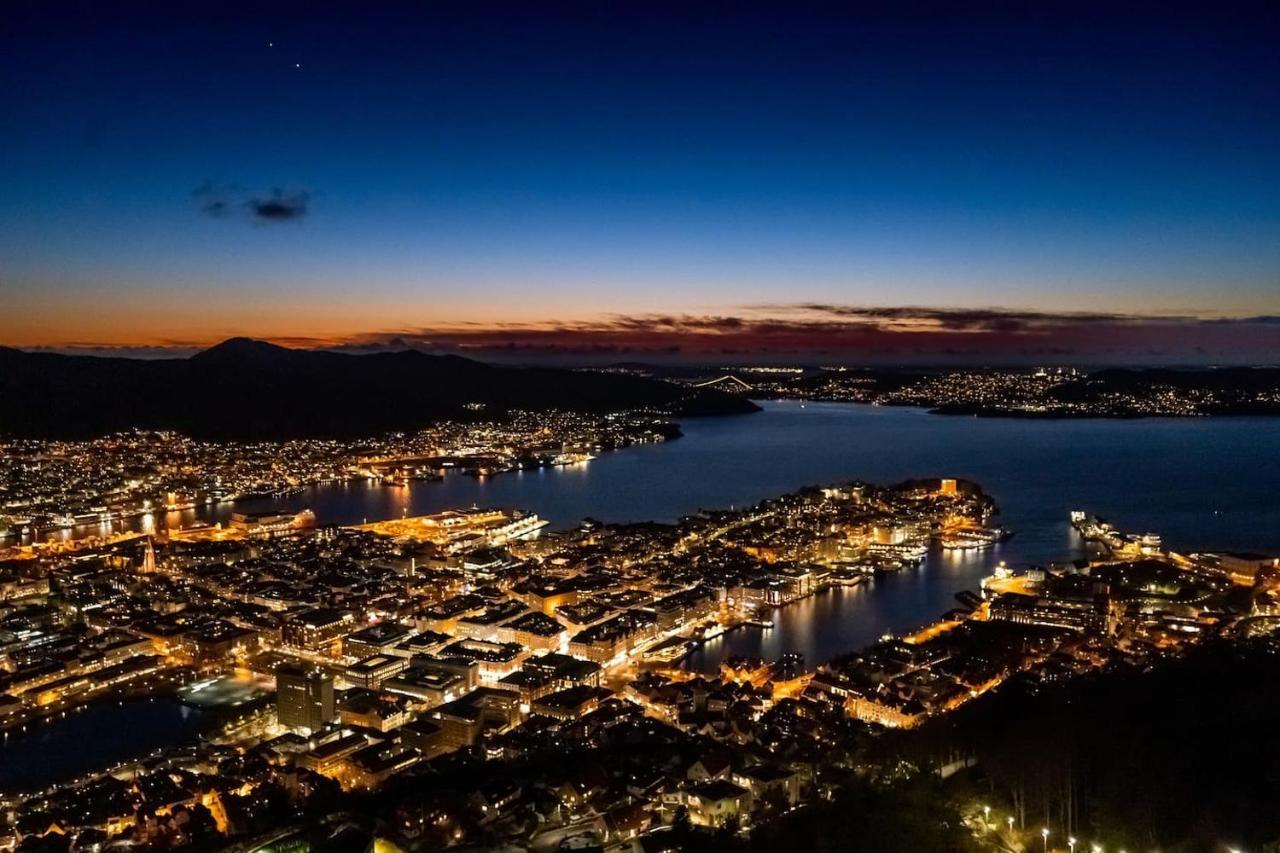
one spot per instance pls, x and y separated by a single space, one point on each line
1201 482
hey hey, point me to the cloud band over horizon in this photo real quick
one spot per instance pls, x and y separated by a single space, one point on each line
809 332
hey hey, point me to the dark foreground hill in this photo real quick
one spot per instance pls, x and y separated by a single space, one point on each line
246 389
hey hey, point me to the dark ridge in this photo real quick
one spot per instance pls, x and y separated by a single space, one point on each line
248 389
243 351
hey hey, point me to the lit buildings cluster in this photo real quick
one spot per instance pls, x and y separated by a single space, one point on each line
543 667
1040 392
111 482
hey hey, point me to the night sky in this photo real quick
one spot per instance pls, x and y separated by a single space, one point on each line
601 179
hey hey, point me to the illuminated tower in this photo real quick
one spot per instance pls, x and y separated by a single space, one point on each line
149 558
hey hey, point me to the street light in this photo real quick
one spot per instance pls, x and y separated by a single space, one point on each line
1044 834
1009 820
1097 848
1071 842
986 817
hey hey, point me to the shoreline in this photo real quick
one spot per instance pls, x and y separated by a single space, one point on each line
993 413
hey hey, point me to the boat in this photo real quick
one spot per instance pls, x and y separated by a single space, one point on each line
1094 529
669 650
703 633
909 551
850 575
971 538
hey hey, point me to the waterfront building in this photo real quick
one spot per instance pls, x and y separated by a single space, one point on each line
1058 612
1241 567
264 524
614 638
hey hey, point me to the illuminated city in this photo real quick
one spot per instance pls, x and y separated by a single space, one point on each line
112 483
639 428
397 645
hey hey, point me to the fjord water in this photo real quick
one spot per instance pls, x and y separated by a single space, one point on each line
1202 483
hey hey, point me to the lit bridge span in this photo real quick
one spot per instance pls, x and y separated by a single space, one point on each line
733 382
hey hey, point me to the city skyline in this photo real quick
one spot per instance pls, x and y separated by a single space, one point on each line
724 183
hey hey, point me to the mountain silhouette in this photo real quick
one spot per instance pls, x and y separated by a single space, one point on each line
250 389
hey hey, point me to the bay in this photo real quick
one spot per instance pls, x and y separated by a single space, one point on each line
1202 483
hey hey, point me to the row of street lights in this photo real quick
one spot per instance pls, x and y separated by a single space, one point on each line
1071 841
1044 834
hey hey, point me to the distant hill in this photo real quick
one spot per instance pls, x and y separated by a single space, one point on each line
1218 391
248 389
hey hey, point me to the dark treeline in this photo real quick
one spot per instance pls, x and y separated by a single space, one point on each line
874 818
1185 756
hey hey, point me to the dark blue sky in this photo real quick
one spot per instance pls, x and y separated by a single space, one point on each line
172 177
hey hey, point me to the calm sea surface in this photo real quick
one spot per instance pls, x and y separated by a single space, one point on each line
91 739
1201 483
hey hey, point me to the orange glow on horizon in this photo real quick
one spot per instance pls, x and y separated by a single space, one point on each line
164 322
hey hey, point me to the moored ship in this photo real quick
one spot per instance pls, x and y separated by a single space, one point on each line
971 538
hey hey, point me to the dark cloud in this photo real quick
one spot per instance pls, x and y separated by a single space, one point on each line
280 206
859 334
823 333
173 349
967 319
1261 320
221 201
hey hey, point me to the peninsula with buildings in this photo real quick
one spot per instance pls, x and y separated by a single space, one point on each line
119 482
471 679
1044 392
